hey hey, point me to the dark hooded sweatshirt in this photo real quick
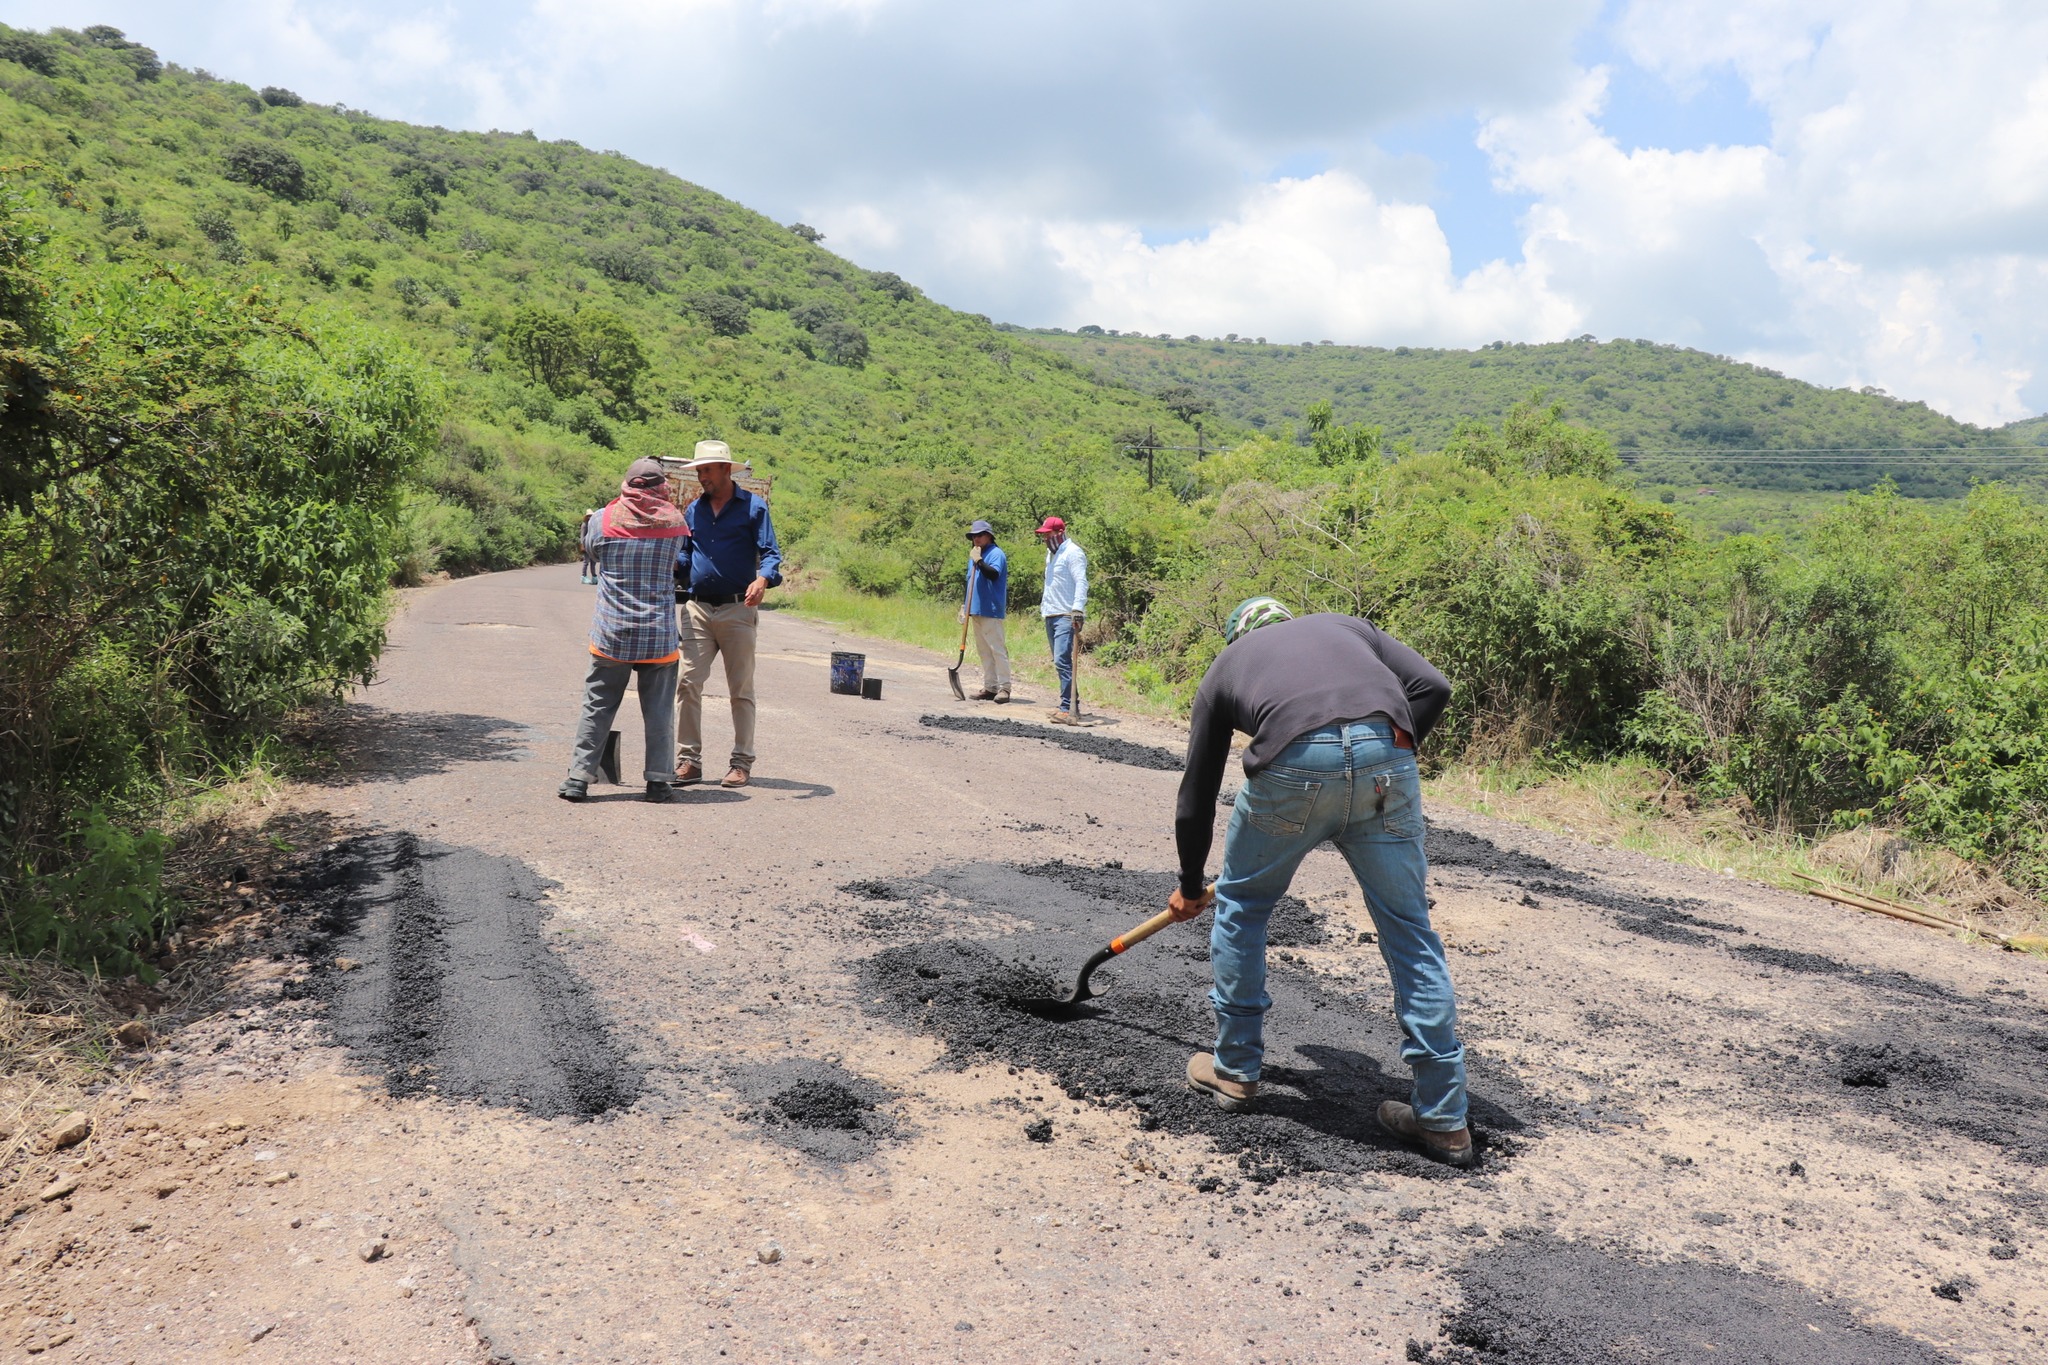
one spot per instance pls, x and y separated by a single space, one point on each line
1280 682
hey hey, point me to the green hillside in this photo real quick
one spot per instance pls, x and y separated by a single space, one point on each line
2032 431
1761 430
582 308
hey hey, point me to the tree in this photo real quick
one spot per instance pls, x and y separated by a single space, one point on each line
544 343
807 232
626 263
610 355
142 59
724 314
267 167
842 343
277 97
1183 402
894 285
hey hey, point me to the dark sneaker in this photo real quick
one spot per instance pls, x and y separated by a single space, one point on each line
1453 1149
575 789
660 793
1234 1096
689 775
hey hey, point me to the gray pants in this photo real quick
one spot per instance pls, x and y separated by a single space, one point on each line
603 693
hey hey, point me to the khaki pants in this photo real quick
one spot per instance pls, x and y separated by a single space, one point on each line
995 654
708 632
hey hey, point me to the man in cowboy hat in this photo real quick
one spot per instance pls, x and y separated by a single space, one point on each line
1335 707
729 561
631 544
1064 605
988 604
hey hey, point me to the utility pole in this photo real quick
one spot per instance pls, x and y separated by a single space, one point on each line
1198 440
1151 444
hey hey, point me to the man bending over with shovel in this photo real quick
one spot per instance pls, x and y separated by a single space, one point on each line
1335 707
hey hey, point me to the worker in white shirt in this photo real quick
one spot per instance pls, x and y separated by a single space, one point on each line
1064 606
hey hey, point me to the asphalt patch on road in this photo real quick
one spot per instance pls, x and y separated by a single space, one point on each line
1970 1069
435 973
816 1106
1331 1058
1543 1301
1079 739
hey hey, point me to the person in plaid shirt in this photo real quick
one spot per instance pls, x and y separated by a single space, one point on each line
633 631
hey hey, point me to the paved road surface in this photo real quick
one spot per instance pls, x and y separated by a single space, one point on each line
1712 1077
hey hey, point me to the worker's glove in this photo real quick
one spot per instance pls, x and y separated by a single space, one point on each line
1182 909
974 553
962 617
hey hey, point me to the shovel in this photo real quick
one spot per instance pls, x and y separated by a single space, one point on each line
1056 1005
953 673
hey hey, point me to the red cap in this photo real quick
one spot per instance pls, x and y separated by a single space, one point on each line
1051 524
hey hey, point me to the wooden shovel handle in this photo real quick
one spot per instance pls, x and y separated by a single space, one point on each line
1142 932
1147 929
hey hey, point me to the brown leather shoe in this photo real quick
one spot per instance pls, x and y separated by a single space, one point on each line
1235 1096
689 774
986 694
1453 1149
736 778
1002 697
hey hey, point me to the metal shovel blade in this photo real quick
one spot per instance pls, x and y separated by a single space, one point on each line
953 681
1056 1006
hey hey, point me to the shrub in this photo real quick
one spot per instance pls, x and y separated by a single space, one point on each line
267 167
31 50
873 569
277 97
410 215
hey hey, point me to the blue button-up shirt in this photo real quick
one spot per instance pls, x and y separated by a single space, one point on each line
726 552
988 594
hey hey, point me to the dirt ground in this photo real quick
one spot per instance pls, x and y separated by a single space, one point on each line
741 1078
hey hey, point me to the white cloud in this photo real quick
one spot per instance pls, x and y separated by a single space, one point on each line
1301 261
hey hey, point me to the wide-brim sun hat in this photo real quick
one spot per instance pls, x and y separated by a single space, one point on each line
980 528
1248 615
710 452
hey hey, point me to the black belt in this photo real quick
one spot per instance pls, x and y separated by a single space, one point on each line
717 599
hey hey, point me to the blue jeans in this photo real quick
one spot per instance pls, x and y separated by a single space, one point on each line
1059 633
1347 784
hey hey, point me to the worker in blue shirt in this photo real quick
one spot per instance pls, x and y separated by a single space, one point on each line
729 562
988 602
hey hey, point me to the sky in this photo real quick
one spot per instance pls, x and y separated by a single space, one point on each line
1854 192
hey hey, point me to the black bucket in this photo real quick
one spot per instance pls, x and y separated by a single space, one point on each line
847 672
871 688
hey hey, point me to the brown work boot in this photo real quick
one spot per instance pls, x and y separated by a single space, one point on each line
1002 697
1453 1149
1235 1096
688 774
1061 718
736 778
986 694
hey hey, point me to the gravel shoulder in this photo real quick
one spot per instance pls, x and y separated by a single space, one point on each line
620 1082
